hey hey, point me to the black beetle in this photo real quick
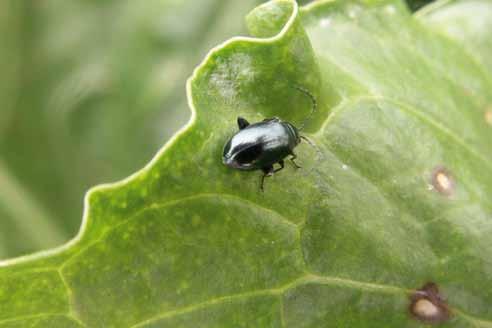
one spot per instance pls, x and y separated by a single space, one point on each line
260 145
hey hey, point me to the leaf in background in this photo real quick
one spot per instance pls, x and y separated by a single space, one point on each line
453 19
397 196
89 91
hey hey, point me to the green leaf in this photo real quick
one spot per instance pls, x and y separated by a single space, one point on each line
452 18
393 196
90 90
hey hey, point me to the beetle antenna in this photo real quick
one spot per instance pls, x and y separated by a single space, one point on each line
314 108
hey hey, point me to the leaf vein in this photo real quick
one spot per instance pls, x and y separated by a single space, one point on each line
303 280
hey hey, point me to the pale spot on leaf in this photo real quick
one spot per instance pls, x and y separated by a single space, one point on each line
389 9
326 22
442 181
428 306
488 115
425 308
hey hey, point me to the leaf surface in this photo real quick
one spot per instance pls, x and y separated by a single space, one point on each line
393 196
89 92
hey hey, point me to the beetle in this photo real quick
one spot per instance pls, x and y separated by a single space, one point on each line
260 145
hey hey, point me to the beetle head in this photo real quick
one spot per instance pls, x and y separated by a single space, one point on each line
293 131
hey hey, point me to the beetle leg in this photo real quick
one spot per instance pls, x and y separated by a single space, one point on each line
267 172
292 159
281 163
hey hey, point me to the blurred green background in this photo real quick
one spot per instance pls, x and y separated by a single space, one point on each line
89 91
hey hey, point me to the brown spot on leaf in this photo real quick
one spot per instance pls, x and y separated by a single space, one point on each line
428 306
443 181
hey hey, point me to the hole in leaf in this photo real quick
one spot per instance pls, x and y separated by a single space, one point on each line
428 306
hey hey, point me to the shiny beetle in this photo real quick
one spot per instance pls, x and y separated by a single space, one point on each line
260 145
